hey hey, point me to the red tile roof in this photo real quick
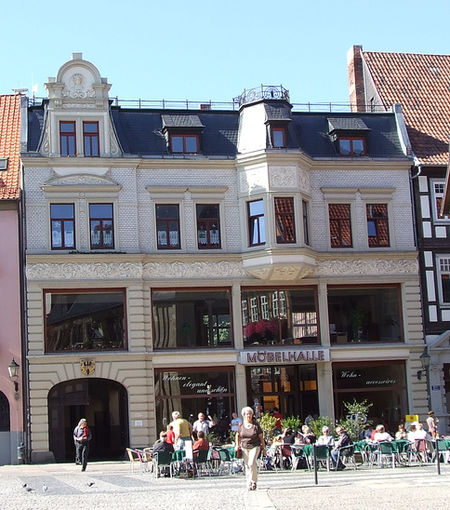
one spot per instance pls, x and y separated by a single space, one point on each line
10 180
421 84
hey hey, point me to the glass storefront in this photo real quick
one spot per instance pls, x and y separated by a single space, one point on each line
382 383
291 388
191 391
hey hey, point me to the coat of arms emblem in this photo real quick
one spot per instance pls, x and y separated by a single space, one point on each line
87 366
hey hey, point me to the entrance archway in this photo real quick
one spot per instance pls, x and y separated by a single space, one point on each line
104 403
5 447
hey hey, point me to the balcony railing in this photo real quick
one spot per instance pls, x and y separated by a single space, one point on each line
262 92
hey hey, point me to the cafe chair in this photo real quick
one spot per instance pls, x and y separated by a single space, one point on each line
202 462
385 454
285 456
225 461
418 451
444 450
322 456
297 457
162 464
347 456
136 456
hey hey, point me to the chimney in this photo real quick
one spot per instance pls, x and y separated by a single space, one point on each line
356 79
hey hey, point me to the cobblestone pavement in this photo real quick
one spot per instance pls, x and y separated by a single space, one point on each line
110 486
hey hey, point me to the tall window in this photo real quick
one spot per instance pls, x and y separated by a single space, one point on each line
208 226
340 225
101 226
284 220
256 223
91 139
67 138
438 187
352 146
184 143
305 210
377 225
278 137
168 226
62 219
444 274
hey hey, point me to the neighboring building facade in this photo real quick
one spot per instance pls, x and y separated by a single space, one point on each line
202 260
420 84
11 390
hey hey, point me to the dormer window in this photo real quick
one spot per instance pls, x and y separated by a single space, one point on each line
184 143
349 135
351 146
67 138
278 137
182 133
278 116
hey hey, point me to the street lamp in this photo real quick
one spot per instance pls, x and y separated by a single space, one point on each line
13 369
425 361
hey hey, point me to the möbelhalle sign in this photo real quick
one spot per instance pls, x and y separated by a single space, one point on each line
284 357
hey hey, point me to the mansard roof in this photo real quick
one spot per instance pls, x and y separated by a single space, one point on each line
141 131
10 145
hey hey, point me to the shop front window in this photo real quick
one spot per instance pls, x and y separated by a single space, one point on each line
280 317
290 388
382 384
191 319
191 391
364 314
80 321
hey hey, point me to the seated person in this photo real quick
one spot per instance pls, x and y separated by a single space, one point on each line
343 441
401 432
326 439
201 443
381 435
411 432
162 445
419 433
308 435
288 436
299 439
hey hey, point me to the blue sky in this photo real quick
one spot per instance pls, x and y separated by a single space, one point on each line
201 50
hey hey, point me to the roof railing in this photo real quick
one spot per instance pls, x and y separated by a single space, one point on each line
186 104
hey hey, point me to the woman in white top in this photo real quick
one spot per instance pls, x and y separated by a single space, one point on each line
325 439
381 435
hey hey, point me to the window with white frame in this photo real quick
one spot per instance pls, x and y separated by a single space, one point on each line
244 312
265 307
438 194
444 279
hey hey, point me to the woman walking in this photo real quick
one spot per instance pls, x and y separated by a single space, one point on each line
81 436
250 439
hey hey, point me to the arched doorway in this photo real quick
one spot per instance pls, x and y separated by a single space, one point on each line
103 403
5 447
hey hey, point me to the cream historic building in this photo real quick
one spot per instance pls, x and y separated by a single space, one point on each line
202 260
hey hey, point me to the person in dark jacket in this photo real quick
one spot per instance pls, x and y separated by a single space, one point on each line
343 440
81 437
